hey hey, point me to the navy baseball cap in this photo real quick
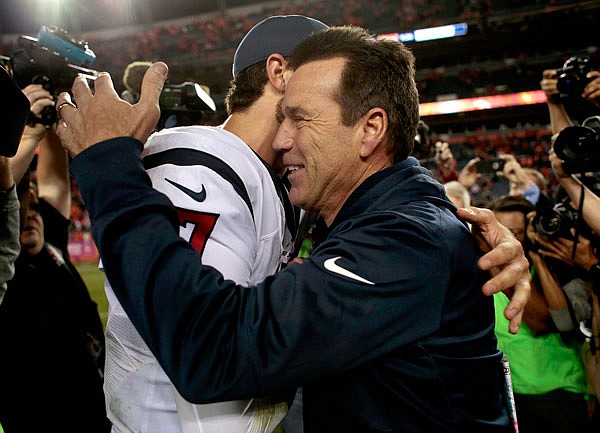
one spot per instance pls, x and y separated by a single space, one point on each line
277 34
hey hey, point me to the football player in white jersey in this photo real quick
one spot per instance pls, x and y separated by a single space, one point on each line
232 209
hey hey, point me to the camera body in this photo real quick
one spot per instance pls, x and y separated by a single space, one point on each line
555 221
490 166
422 146
51 66
572 77
579 146
183 104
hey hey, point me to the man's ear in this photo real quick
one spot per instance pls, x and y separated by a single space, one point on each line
275 67
374 130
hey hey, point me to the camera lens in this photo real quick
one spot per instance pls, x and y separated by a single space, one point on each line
575 143
548 225
569 84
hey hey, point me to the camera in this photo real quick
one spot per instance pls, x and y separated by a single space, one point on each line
183 104
49 60
556 220
572 77
579 146
490 165
422 147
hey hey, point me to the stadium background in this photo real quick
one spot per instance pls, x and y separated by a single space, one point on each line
508 45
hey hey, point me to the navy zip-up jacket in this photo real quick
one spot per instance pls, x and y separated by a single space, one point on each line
384 326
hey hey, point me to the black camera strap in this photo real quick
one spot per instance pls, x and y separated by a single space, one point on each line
579 216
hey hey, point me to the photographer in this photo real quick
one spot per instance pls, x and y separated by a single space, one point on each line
559 118
590 211
522 181
50 331
547 373
574 187
445 161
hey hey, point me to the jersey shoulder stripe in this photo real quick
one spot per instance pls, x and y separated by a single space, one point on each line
189 157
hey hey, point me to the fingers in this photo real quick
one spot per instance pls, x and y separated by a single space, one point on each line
153 83
514 310
471 164
514 280
81 91
102 115
64 106
103 85
476 215
147 107
549 73
36 92
60 107
67 112
508 252
38 106
593 87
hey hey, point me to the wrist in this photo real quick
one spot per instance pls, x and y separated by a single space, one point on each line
553 99
594 271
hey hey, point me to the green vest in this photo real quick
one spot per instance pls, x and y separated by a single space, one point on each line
539 363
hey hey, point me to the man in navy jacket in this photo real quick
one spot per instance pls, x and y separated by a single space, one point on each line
384 326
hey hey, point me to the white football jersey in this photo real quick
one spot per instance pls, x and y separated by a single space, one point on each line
230 211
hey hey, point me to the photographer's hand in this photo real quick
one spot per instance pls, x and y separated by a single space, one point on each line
103 115
469 175
515 174
506 262
591 92
557 167
444 158
549 85
39 98
562 249
559 118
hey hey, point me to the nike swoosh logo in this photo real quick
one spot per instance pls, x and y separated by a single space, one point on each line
199 196
331 265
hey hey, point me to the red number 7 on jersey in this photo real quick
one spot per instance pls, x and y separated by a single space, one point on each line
203 225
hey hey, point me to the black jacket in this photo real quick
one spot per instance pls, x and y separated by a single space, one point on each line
385 325
52 343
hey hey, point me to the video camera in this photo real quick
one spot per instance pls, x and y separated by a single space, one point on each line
572 77
579 146
183 104
53 59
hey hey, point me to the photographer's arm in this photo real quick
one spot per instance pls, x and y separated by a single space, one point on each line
6 178
550 305
39 98
573 187
559 119
469 175
591 92
54 183
445 162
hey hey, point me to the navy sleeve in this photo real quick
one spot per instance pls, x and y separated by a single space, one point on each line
218 341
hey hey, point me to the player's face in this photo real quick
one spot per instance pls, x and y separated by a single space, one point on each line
318 150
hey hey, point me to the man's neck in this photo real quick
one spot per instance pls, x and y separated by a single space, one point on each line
257 128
